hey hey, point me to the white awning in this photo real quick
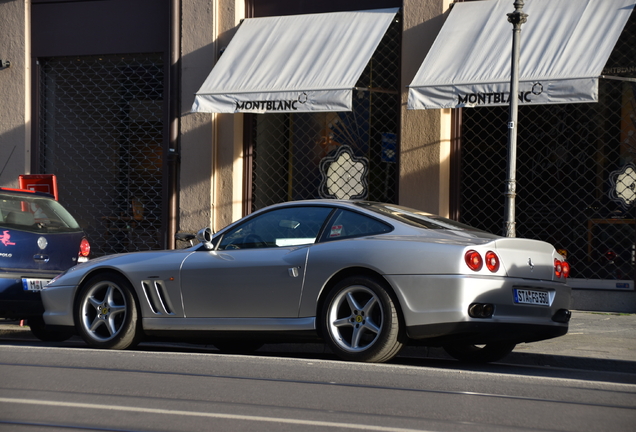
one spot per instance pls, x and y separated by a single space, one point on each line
564 46
298 63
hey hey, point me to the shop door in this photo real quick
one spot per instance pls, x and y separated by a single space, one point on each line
101 133
101 116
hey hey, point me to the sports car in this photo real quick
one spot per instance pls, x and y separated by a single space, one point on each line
366 278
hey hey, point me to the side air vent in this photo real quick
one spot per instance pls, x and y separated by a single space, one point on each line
157 297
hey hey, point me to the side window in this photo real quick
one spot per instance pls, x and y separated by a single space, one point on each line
349 224
290 226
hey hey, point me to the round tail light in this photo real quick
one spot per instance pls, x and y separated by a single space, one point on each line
473 260
566 269
492 261
85 248
558 268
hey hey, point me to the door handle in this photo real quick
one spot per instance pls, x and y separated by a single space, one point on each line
293 271
41 257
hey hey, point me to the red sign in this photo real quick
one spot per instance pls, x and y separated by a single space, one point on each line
39 183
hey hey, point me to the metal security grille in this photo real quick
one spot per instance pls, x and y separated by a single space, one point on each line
101 130
333 155
575 172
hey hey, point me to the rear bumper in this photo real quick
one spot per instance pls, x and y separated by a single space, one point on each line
483 332
436 308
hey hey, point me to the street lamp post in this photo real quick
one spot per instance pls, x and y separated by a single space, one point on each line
516 18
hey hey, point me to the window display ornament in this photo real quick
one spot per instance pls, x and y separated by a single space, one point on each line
623 185
344 176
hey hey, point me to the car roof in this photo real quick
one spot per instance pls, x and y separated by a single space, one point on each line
353 205
299 203
324 201
338 203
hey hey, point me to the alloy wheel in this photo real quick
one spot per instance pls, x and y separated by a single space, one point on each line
103 311
355 318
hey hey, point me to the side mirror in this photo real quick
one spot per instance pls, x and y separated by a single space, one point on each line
205 237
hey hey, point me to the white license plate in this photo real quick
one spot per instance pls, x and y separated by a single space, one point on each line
531 297
34 284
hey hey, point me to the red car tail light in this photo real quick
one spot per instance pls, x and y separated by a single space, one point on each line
492 261
473 260
558 268
85 250
566 269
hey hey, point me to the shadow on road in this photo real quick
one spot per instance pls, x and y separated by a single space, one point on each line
531 364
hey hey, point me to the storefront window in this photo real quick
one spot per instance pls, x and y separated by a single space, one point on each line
334 154
576 173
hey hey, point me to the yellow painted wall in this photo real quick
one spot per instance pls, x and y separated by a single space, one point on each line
425 134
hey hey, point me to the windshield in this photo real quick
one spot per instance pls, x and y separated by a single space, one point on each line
35 214
415 217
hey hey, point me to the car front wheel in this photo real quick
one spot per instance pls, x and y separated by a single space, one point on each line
487 353
360 322
106 313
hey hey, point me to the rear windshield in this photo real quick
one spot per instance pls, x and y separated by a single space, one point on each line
35 214
415 217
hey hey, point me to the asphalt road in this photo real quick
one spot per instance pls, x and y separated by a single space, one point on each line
176 388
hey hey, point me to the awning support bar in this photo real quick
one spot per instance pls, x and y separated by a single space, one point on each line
618 78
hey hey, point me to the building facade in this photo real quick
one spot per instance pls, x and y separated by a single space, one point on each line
99 93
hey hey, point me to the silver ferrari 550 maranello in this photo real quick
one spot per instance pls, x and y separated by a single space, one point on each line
364 277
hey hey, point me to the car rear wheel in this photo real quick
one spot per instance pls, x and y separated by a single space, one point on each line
106 313
479 353
360 322
39 330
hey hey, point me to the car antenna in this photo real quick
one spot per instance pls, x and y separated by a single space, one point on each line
8 159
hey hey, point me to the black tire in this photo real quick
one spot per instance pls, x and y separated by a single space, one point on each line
359 321
468 353
39 330
238 346
106 313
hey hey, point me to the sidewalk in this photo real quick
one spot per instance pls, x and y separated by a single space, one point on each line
599 341
595 341
599 335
